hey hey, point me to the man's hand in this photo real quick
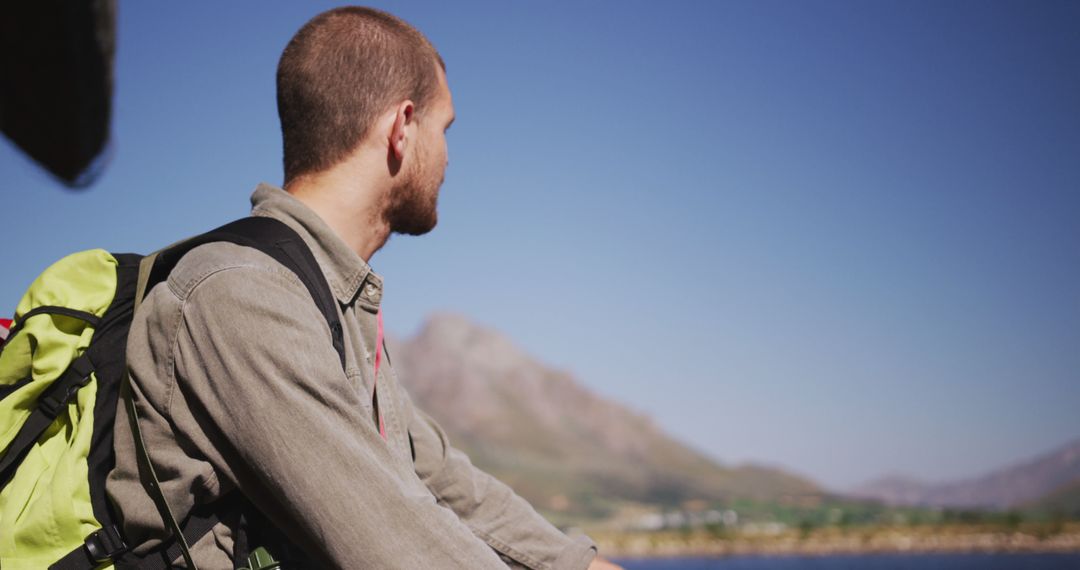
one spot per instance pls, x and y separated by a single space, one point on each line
601 564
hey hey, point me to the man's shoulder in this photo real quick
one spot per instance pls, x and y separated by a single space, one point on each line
228 262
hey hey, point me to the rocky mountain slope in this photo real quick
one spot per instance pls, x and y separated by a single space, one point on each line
561 446
1009 487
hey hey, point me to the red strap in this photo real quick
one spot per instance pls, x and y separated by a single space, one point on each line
375 390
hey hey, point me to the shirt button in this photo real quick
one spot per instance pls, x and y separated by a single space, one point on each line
370 291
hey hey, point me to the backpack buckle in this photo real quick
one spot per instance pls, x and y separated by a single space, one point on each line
105 544
62 391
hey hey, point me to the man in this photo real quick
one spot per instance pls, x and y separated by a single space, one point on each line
234 374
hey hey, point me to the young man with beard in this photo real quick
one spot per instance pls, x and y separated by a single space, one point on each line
238 387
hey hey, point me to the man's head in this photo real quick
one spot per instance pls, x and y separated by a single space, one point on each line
344 76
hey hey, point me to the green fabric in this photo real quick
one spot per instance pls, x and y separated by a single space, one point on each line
45 511
260 559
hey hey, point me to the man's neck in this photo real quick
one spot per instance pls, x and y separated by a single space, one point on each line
349 204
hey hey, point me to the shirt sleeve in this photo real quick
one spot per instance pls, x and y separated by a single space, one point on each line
490 508
256 366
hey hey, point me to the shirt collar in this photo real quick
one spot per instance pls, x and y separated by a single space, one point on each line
346 272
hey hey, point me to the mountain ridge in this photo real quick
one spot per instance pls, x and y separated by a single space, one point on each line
560 445
1012 486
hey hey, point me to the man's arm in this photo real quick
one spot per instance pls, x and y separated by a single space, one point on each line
258 370
490 509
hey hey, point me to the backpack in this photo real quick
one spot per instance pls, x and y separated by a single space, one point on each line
62 374
5 326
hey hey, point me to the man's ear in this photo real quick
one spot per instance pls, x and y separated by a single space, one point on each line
403 117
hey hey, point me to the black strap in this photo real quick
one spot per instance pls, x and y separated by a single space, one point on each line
303 263
90 318
196 526
241 546
107 545
9 389
103 545
49 404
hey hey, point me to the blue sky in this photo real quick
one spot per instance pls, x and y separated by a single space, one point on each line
839 237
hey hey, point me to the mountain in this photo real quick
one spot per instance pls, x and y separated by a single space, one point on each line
559 445
1063 500
1010 487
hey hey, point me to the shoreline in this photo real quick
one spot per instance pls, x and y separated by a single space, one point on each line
830 542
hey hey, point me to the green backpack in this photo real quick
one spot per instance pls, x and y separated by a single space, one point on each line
62 374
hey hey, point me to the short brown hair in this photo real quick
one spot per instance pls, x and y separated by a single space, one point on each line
343 68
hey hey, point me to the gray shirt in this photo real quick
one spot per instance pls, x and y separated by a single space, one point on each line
238 386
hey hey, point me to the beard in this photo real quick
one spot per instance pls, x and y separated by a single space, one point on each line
412 207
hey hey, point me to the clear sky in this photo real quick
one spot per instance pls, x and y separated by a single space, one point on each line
841 237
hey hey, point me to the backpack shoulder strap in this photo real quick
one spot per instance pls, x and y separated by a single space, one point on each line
284 245
279 241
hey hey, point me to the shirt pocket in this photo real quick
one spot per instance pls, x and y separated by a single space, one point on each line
359 382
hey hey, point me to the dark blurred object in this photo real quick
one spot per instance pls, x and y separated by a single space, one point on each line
56 81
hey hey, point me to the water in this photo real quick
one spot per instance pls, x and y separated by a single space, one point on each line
867 562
